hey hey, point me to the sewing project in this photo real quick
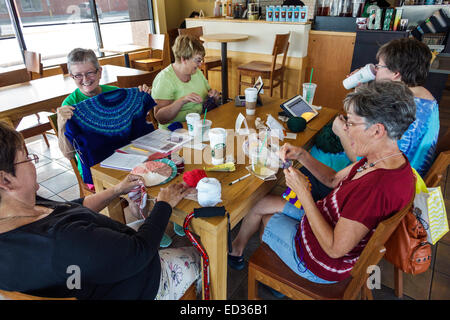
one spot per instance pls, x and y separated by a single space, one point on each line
156 172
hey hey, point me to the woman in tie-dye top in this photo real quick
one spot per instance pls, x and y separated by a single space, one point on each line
406 60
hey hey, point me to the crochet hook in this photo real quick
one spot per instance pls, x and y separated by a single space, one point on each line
241 178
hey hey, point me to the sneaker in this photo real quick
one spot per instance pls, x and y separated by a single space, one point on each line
165 241
178 230
236 262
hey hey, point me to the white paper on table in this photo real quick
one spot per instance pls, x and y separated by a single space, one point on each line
123 161
238 126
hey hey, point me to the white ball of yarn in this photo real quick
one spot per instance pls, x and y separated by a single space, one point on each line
209 192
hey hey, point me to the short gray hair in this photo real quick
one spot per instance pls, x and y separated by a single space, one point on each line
390 103
80 55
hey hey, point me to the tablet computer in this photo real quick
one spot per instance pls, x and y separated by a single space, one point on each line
298 107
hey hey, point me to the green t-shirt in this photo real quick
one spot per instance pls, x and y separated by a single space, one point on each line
167 86
77 96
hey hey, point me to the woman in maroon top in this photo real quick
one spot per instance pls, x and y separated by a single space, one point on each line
322 240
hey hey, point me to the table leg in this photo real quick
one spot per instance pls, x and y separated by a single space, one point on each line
215 244
224 73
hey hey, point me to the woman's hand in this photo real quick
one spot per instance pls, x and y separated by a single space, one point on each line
130 182
145 88
338 126
173 194
64 113
290 152
214 93
298 182
192 97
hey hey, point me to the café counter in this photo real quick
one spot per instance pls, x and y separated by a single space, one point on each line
259 46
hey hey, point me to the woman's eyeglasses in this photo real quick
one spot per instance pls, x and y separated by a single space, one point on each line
30 157
89 75
348 124
379 66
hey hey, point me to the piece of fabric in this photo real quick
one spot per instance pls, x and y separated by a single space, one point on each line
112 261
180 268
368 200
106 122
418 142
167 86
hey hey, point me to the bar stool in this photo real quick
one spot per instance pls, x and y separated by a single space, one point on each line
267 70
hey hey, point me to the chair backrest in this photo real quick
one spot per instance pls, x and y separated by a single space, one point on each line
64 68
137 80
84 190
172 34
374 251
437 170
280 46
33 63
194 31
13 77
160 42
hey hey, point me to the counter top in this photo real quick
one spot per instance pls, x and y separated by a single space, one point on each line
222 19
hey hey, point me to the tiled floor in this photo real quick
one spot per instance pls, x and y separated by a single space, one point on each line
58 182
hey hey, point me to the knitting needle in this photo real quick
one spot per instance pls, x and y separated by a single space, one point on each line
241 178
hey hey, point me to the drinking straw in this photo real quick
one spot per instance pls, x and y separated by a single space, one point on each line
204 117
310 79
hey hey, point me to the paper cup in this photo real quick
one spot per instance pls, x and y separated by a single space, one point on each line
218 141
201 130
251 95
365 74
309 89
190 121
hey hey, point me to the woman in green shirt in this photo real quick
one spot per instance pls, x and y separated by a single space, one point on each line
181 88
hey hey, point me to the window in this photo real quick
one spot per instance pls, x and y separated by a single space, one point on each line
31 5
54 27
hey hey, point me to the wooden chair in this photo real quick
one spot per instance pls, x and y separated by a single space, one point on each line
432 180
36 124
84 190
156 42
64 68
266 70
12 77
266 267
209 62
33 64
137 80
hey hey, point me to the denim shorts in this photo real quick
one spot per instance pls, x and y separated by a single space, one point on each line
279 235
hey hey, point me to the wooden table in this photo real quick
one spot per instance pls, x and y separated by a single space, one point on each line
125 50
237 198
44 94
224 38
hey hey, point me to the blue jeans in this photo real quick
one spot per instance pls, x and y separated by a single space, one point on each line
279 235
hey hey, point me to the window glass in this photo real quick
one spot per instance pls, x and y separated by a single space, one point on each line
114 34
10 54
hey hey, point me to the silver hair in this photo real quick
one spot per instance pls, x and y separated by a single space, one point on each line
80 55
390 103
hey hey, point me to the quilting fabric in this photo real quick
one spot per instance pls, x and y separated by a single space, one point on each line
106 122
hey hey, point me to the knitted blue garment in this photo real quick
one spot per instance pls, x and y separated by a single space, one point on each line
106 122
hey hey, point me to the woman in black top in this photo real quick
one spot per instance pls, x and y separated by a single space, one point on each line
68 249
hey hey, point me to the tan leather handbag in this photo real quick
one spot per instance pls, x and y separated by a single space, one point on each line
407 248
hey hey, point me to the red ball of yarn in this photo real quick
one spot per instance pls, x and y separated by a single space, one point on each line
193 177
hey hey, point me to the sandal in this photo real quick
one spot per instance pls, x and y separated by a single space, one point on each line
178 230
236 262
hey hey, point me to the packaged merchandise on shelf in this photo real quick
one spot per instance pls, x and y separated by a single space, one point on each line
269 13
283 13
276 13
303 14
